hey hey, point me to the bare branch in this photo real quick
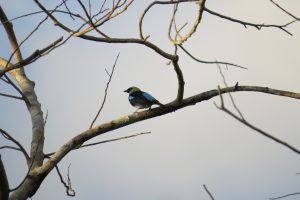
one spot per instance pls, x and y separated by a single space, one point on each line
102 142
15 87
69 190
209 62
11 96
10 147
208 192
197 21
9 137
245 24
242 120
107 40
231 98
106 90
151 5
33 57
287 195
66 6
290 14
4 190
113 140
180 79
80 138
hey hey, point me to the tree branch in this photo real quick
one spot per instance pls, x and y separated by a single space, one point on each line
182 39
106 90
242 120
107 40
21 148
102 142
69 190
209 62
290 14
112 140
4 187
208 192
287 195
11 96
33 57
140 116
180 79
151 5
245 24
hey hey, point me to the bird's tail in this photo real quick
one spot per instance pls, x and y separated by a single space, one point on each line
160 104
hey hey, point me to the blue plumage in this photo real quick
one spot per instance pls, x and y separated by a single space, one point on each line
140 99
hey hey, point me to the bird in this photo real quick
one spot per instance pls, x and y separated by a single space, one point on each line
140 99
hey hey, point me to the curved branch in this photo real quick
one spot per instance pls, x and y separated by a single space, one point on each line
21 148
210 62
194 27
106 40
29 186
140 116
33 57
245 24
180 79
151 5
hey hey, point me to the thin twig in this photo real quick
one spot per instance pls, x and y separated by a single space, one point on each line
245 24
287 195
230 96
290 14
106 91
16 88
208 192
11 96
69 190
193 28
33 57
223 108
209 62
113 140
104 141
151 5
10 147
9 137
66 6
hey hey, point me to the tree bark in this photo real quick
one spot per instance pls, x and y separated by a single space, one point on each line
4 187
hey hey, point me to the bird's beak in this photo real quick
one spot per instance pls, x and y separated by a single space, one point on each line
126 90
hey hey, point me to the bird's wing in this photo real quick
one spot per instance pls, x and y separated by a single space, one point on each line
148 97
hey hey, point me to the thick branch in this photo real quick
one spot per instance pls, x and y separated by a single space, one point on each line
180 79
27 88
140 116
4 187
29 185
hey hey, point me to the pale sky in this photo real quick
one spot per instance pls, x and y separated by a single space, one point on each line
188 148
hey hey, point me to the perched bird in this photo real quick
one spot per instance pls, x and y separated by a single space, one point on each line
140 99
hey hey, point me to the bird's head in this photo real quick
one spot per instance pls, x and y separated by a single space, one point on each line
132 90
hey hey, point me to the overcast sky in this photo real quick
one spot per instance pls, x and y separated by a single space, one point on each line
188 148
